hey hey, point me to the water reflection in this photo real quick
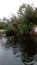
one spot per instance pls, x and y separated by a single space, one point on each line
8 52
28 49
25 50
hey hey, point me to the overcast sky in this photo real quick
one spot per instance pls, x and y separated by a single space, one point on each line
8 7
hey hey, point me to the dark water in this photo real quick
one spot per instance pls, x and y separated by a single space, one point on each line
16 53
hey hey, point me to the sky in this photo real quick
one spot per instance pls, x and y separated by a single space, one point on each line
9 7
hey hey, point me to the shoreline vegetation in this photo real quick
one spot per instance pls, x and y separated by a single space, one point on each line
23 24
18 34
22 27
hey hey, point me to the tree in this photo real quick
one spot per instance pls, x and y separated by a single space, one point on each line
28 17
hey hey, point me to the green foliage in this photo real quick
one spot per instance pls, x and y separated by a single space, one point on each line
24 23
28 18
24 26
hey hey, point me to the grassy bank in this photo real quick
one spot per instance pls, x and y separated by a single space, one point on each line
2 31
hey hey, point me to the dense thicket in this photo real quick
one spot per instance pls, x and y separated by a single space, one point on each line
24 22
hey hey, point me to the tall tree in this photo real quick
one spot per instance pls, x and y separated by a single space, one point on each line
28 17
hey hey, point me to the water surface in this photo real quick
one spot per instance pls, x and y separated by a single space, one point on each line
14 53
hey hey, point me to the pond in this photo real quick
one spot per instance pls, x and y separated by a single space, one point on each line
14 53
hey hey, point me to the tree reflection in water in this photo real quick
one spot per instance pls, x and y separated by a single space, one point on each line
26 49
